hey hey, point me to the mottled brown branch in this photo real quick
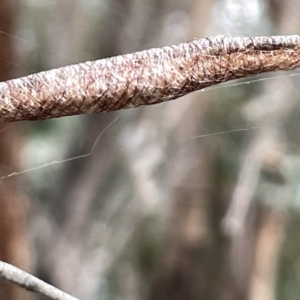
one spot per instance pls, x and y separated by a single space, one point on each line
144 78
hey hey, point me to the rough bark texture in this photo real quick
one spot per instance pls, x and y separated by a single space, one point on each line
144 78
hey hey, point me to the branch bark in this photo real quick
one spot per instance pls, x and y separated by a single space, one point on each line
145 77
31 283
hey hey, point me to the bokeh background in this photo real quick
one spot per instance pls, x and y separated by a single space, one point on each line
197 198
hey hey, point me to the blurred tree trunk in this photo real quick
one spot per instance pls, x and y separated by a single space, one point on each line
13 212
283 95
191 262
199 260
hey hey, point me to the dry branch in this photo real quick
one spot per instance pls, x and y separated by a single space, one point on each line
145 77
31 283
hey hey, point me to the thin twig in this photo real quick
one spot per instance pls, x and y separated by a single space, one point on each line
31 283
145 77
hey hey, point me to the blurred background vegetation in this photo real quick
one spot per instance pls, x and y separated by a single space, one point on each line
198 198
